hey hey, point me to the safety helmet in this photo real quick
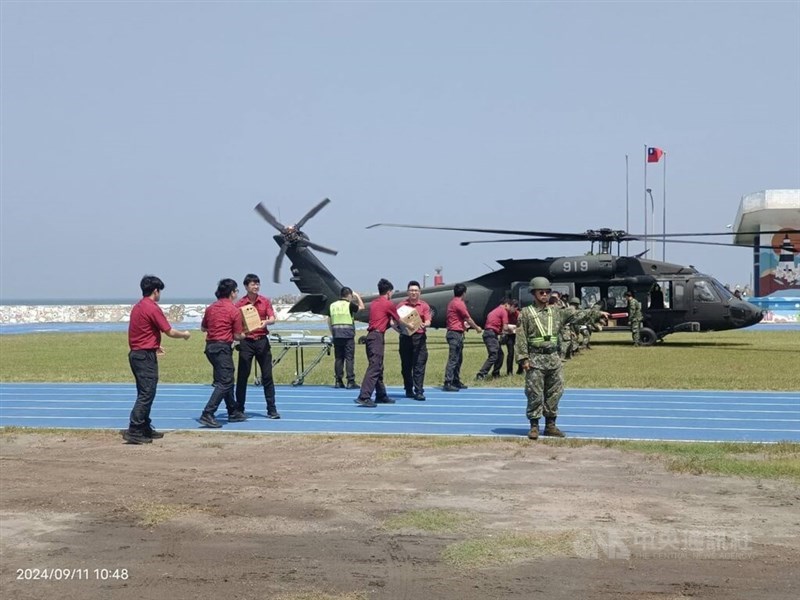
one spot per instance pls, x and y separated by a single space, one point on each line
540 283
575 301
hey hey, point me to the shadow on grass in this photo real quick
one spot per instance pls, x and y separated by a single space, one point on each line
674 344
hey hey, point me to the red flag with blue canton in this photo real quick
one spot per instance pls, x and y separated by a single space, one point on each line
654 154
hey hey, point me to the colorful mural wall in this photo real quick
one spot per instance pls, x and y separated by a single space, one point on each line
780 263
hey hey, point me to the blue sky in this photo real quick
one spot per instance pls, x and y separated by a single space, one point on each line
138 136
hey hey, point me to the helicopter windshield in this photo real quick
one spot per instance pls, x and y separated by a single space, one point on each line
722 290
704 291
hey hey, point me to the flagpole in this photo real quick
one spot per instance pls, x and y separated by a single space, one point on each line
627 203
645 198
664 213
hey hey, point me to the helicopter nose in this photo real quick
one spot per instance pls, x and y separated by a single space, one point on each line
756 315
745 314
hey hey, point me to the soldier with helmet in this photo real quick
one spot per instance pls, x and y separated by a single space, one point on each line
634 317
574 332
537 353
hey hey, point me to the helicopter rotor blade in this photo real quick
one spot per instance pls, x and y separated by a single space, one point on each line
656 236
467 243
267 216
548 234
321 248
312 212
276 274
727 244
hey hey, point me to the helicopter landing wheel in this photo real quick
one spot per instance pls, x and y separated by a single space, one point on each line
647 337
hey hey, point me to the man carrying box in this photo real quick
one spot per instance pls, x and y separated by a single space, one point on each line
256 344
496 326
382 312
414 346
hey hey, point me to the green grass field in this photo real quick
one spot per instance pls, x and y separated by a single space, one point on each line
732 360
737 360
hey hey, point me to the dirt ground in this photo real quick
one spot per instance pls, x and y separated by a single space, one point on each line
218 515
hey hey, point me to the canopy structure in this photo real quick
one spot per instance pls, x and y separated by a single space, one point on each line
776 256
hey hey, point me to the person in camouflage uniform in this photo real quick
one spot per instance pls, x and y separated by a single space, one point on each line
574 328
634 317
537 353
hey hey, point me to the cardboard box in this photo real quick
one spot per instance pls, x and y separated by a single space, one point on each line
250 319
410 317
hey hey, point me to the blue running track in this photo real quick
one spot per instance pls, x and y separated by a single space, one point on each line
687 415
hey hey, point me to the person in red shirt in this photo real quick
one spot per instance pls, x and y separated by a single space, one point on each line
256 344
382 312
147 323
455 319
222 324
414 345
510 338
496 325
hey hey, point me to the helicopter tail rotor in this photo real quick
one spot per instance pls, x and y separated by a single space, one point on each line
291 236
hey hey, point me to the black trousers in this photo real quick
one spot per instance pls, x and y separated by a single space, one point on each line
144 366
373 378
494 360
220 355
344 355
455 356
261 350
413 360
511 339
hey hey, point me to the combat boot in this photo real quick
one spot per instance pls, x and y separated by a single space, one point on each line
550 428
533 434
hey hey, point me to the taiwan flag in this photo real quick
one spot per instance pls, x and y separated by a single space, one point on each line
654 154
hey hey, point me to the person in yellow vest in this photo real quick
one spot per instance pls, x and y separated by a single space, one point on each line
343 333
537 354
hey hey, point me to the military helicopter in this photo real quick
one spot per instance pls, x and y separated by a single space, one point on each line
693 301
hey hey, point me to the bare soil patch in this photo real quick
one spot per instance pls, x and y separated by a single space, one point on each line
344 518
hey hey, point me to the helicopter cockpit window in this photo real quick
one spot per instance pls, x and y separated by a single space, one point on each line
616 296
722 290
703 292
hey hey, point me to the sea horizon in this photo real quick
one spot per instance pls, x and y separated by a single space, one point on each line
96 301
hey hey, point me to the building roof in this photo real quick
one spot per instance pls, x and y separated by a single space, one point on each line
764 211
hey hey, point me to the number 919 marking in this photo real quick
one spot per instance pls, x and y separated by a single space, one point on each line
575 266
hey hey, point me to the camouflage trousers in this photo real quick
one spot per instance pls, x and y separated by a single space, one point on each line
636 328
544 386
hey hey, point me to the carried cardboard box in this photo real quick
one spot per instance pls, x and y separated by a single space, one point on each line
410 317
250 318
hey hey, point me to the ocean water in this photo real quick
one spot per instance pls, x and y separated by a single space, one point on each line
98 301
309 327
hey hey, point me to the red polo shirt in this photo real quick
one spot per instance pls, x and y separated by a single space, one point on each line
221 321
497 319
265 311
513 317
422 308
146 324
457 313
381 310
